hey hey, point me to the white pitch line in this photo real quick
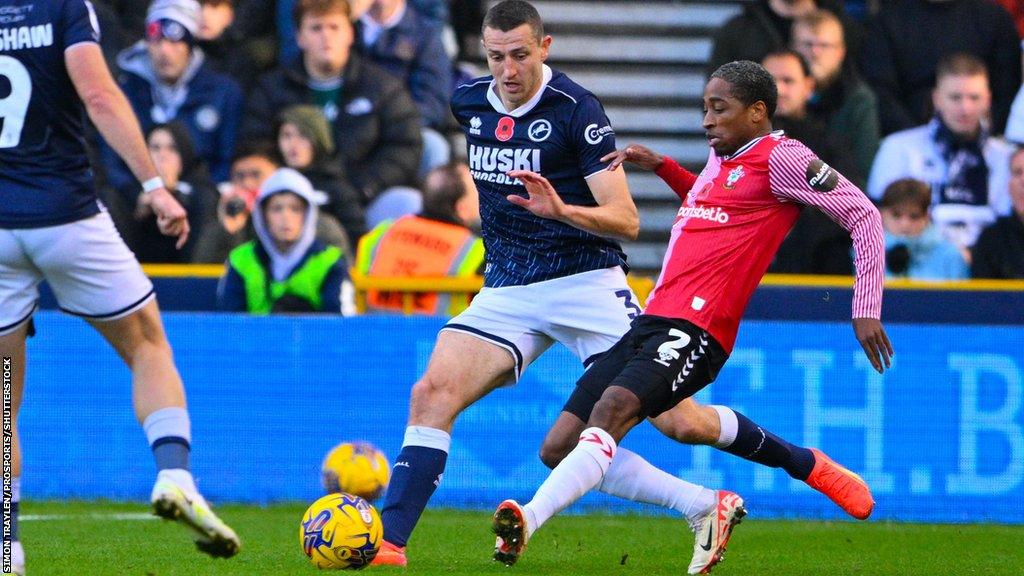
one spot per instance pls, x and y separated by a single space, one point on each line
94 516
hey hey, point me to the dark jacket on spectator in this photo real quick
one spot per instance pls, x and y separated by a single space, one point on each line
342 199
999 252
377 128
412 51
850 112
906 40
211 110
758 30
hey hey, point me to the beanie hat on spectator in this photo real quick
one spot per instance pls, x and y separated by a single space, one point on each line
162 14
311 123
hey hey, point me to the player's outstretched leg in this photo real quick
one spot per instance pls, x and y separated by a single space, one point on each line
462 369
510 530
712 532
159 400
12 345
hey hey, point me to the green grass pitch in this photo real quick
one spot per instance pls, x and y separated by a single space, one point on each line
100 538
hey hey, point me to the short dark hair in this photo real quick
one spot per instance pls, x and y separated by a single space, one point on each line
443 187
750 82
790 53
261 148
303 8
511 14
960 64
907 191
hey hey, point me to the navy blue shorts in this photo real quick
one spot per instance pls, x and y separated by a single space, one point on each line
661 360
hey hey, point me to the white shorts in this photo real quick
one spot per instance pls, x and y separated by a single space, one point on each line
587 312
92 272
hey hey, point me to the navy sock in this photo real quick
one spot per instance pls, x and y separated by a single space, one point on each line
759 445
170 452
416 474
14 520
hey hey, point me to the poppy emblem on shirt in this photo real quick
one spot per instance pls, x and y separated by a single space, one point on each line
734 175
506 126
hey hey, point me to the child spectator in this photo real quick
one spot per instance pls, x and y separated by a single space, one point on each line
913 247
285 269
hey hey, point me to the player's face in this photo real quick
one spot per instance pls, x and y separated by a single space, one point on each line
728 123
795 89
325 41
249 173
1017 183
905 220
823 48
962 101
296 149
284 213
169 58
164 152
216 18
516 59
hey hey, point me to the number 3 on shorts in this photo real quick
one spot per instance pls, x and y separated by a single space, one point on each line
632 309
14 106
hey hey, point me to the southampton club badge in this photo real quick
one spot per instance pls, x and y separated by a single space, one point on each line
734 175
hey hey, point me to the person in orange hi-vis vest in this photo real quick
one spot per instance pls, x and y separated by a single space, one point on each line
436 242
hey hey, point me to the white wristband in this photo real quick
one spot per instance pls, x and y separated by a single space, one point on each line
154 183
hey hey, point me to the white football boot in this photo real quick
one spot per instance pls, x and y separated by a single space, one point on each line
175 498
713 531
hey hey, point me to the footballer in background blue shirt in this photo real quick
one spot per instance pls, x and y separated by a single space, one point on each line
52 227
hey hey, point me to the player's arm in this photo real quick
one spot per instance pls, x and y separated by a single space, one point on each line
796 174
110 111
615 214
679 179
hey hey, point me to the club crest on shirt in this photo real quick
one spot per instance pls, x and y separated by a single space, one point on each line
821 177
474 125
734 175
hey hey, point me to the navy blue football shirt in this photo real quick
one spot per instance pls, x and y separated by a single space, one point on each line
561 133
45 179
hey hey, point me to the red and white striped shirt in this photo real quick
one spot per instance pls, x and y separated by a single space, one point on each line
734 217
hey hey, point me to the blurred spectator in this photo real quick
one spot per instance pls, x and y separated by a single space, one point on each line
1015 123
999 252
186 177
375 122
841 99
436 242
1016 10
229 226
967 168
908 38
227 50
165 78
397 38
816 244
913 247
763 27
306 144
285 269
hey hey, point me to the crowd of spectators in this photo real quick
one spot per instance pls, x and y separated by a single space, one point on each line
901 96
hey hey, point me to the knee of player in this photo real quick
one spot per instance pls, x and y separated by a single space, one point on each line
616 407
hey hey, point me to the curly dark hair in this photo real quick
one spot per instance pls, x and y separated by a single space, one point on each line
750 82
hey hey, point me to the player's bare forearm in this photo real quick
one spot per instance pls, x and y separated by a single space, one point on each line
108 108
616 221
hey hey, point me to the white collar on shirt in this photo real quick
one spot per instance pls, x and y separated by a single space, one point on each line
752 143
495 100
372 29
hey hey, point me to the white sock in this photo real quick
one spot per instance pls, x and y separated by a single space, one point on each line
633 478
427 437
166 422
577 474
728 426
16 489
17 554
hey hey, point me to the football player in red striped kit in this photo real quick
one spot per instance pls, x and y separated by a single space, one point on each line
735 214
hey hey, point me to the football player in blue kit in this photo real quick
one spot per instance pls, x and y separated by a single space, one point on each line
52 227
539 147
